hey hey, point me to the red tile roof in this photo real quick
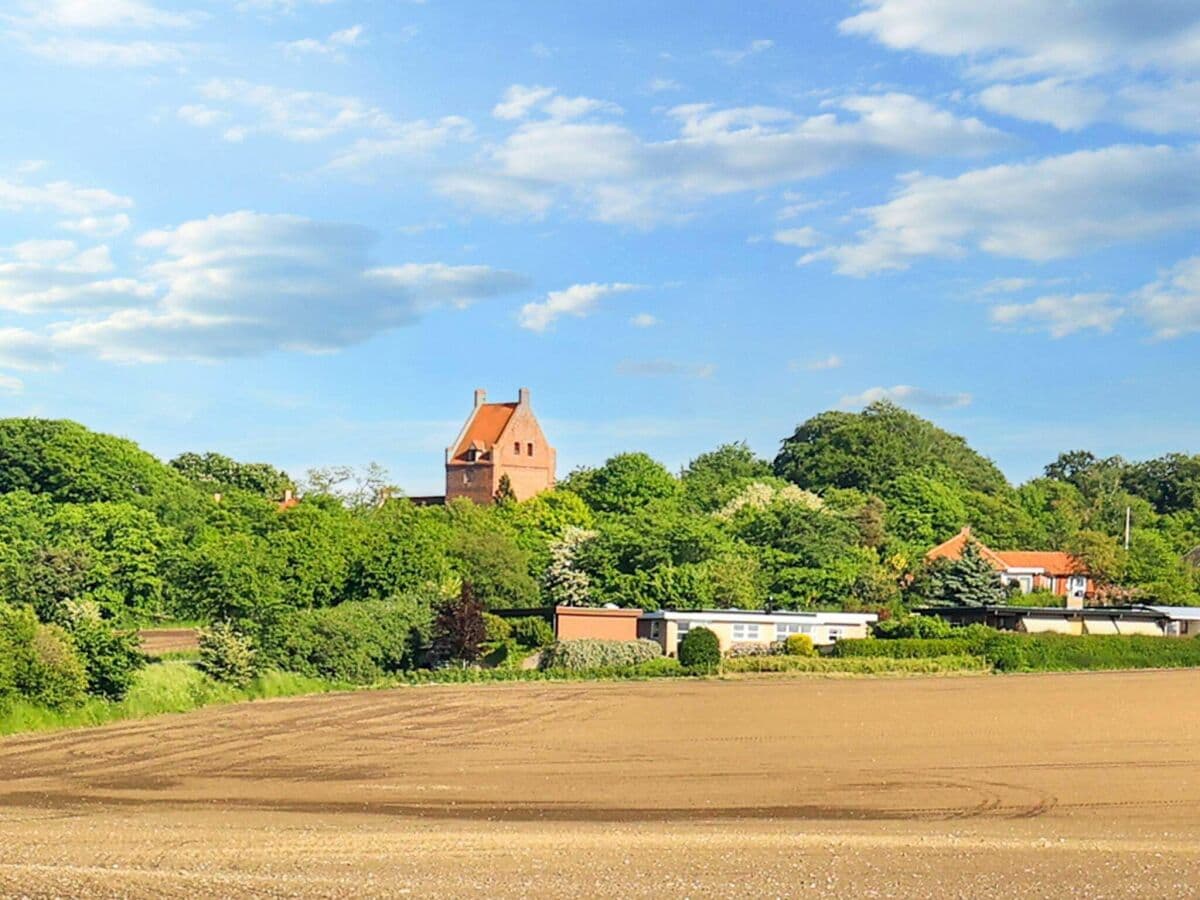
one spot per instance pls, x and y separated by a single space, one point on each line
1053 561
488 424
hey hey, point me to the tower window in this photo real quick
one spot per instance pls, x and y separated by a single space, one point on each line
529 447
517 448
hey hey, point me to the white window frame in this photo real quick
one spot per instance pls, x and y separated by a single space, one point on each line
746 631
784 630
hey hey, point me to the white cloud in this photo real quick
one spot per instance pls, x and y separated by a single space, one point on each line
90 53
797 237
311 116
102 14
619 177
1061 314
907 395
55 276
25 350
403 139
497 195
98 226
1008 285
578 300
200 115
1156 107
248 283
733 57
1048 209
519 100
1171 305
1066 106
331 46
832 361
662 85
59 196
644 320
11 385
1039 36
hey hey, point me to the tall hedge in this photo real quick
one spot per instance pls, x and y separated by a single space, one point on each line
598 654
353 642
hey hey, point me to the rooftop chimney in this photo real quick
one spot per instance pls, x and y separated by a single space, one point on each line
523 396
480 396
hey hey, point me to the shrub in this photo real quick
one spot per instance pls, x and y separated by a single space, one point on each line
749 648
53 674
353 642
913 627
595 654
901 648
111 659
700 649
459 629
1060 652
40 663
227 656
496 629
799 645
532 632
864 665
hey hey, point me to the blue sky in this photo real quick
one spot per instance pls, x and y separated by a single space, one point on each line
303 231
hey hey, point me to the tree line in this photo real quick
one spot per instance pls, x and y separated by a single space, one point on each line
840 518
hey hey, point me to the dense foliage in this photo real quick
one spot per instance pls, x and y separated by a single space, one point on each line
700 649
595 654
98 537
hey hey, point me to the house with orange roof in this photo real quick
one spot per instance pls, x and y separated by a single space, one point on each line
1032 570
500 440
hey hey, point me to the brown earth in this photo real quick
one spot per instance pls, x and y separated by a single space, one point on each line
1032 786
159 641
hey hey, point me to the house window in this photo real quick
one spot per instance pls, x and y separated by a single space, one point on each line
745 631
835 634
529 449
472 455
655 631
517 448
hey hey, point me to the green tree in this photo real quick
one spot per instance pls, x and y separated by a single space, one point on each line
505 495
869 450
712 479
626 483
216 472
970 580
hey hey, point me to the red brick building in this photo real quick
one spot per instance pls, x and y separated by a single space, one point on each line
499 439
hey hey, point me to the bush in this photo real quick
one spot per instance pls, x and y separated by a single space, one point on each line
111 659
902 648
750 648
354 642
596 654
53 674
40 664
913 627
864 665
533 632
700 649
1060 652
799 645
496 629
227 656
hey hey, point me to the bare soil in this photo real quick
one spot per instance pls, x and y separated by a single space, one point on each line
1031 786
159 641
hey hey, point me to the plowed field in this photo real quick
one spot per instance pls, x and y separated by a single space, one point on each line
1034 786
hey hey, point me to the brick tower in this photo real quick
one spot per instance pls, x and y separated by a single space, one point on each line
499 439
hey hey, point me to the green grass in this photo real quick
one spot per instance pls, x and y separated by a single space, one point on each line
162 687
